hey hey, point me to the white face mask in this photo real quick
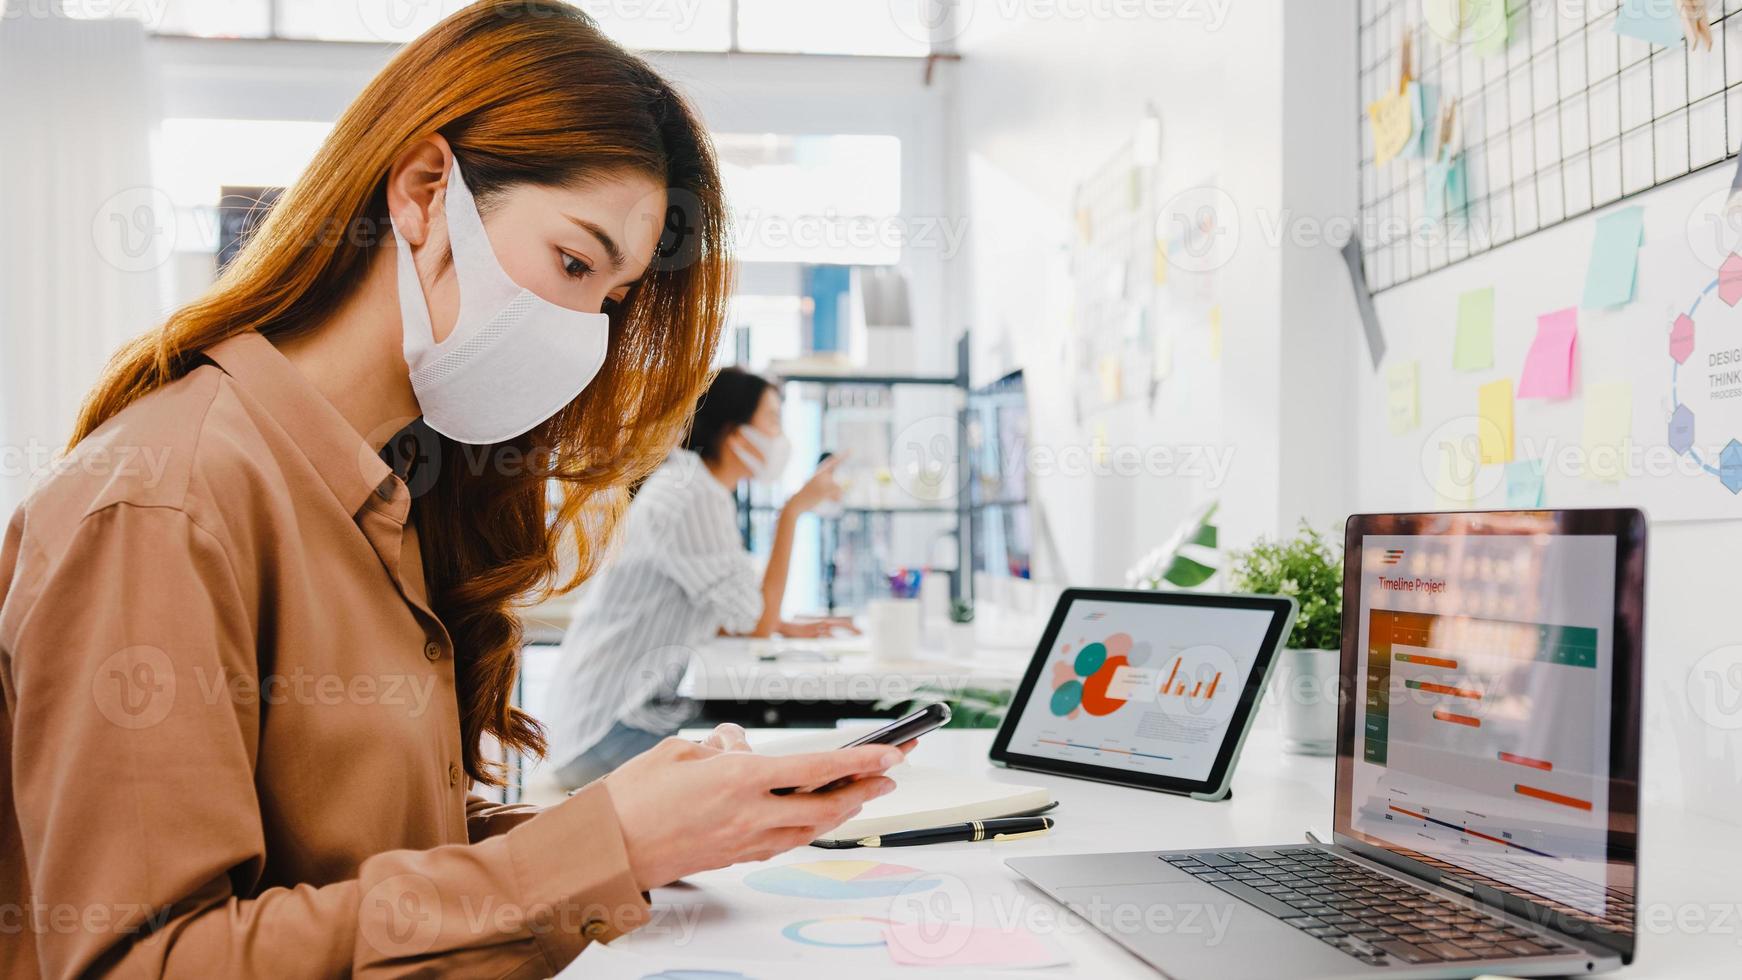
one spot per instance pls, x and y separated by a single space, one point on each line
776 452
512 361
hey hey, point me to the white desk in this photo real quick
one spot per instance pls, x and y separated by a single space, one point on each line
1690 913
836 669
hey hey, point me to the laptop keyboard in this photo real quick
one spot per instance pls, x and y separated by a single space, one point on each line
1373 917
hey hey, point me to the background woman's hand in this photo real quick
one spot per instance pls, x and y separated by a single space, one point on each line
813 628
686 806
820 488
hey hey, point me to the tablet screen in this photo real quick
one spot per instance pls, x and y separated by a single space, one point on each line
1145 687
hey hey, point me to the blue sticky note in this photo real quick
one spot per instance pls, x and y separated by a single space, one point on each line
1524 480
1435 191
1457 186
1614 267
1447 188
1425 103
1657 21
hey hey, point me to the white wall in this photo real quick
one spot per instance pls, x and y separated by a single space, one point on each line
1252 98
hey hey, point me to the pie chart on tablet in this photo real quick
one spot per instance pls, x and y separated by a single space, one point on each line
840 880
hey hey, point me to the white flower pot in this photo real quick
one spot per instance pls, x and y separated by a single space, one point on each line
1305 684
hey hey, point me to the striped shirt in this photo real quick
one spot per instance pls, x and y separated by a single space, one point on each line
681 576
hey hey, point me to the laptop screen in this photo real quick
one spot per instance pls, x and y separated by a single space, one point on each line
1491 732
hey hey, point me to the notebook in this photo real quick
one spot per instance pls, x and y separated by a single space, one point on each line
924 796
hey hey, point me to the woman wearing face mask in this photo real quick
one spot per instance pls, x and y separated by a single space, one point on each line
246 692
682 577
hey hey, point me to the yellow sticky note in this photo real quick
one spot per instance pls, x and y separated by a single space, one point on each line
1608 437
1455 484
1112 379
1403 396
1215 333
1393 119
1494 425
1160 263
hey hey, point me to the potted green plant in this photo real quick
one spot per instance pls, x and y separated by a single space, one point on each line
1308 569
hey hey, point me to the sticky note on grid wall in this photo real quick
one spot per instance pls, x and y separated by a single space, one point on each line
1446 188
1403 397
1473 345
1494 421
1656 21
1391 117
1550 365
1485 25
1613 271
1425 103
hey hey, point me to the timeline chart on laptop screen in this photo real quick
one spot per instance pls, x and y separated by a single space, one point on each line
1141 687
1483 736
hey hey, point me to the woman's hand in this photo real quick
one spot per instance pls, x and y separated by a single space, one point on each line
819 489
728 737
687 806
813 628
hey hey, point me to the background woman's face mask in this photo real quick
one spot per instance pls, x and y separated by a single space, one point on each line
775 450
512 361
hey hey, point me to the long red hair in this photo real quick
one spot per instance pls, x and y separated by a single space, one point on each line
525 92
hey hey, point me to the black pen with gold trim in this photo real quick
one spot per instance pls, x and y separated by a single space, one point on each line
1003 828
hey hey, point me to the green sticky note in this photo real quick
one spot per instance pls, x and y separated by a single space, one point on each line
1614 267
1524 479
1487 28
1474 347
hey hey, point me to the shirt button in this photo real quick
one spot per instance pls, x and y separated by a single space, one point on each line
596 929
432 651
454 775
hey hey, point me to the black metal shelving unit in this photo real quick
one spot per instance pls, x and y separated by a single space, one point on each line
962 506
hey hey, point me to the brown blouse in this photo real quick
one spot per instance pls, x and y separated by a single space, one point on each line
229 737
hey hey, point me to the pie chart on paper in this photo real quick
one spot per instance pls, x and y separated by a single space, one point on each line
840 880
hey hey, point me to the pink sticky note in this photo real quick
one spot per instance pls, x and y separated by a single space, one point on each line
960 944
1548 368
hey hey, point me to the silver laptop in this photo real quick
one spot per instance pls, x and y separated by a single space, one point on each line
1487 779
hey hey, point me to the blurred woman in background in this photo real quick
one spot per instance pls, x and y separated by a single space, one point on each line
682 578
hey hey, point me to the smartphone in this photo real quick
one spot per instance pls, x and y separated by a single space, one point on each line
906 729
935 715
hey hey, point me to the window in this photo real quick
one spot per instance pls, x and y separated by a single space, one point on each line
664 25
830 199
366 20
196 157
852 27
198 18
865 27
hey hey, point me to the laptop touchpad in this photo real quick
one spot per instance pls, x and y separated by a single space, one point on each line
1130 868
1192 931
